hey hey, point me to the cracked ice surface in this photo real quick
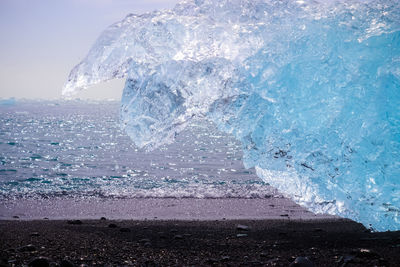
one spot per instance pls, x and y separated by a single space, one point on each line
310 88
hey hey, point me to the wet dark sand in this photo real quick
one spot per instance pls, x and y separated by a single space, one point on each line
207 209
326 242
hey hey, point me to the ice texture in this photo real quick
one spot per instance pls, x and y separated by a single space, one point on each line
310 88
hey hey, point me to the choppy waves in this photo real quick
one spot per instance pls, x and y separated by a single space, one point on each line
77 149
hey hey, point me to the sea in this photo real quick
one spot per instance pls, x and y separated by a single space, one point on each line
78 149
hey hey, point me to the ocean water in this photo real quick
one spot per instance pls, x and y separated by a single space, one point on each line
76 149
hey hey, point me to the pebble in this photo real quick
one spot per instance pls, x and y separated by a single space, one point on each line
225 258
103 219
75 222
178 237
210 261
148 262
66 263
39 262
112 225
343 260
162 235
27 248
12 261
241 235
3 261
366 253
144 240
242 227
125 230
302 262
36 234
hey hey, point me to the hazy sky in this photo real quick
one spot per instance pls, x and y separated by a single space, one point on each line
41 40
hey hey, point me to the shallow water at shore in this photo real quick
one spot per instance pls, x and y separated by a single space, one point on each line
157 209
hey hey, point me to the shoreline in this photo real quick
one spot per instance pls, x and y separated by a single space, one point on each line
156 209
326 242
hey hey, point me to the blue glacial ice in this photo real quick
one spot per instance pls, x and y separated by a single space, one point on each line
310 88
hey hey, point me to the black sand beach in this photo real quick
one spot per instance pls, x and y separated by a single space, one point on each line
103 242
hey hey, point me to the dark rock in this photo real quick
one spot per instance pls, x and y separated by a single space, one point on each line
343 260
242 227
27 248
178 237
112 225
13 262
144 240
3 262
125 230
284 215
366 253
241 235
39 262
66 263
254 263
75 222
35 234
225 258
149 263
302 262
103 219
16 217
210 261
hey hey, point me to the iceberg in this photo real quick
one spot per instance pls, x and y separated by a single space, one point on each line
310 88
8 101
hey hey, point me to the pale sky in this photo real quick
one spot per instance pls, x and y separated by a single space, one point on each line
42 40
